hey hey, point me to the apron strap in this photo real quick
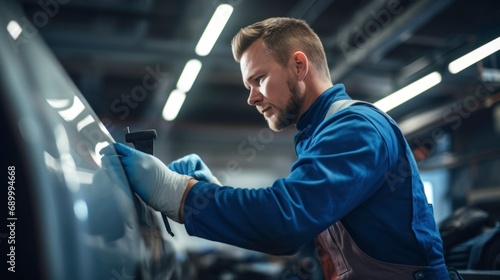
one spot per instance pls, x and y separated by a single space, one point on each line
342 104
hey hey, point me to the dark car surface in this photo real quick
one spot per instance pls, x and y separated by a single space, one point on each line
65 214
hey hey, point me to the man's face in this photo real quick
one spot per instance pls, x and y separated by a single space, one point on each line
273 88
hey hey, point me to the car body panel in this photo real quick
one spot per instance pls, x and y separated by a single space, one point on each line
86 221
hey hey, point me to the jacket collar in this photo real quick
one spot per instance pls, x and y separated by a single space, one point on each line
316 113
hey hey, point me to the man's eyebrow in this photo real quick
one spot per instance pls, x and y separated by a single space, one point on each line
247 80
245 84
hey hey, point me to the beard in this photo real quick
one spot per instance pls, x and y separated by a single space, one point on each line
290 113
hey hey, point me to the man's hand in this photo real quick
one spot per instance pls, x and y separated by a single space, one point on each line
148 176
192 165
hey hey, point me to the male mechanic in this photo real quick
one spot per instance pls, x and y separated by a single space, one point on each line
354 189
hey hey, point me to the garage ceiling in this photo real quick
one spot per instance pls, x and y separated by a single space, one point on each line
110 48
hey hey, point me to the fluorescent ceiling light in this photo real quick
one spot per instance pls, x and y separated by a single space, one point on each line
188 75
474 56
399 97
173 105
14 29
213 29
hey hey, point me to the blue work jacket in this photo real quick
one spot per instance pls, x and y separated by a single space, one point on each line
354 167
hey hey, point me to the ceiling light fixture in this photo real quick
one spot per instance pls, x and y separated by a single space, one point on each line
173 105
188 75
399 97
193 66
474 56
213 29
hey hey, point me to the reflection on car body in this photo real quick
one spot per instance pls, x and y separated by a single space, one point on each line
80 219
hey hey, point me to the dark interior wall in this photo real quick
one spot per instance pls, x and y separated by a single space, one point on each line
466 141
476 178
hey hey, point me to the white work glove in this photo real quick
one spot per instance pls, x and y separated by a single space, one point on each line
160 187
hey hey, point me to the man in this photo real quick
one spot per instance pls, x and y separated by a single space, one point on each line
354 189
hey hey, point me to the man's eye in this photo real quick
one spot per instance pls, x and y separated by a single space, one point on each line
258 79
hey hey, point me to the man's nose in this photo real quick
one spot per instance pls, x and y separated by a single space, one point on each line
254 96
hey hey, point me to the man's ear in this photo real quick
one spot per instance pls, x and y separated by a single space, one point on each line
300 64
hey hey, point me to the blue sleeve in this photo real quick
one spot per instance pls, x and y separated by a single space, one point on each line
338 170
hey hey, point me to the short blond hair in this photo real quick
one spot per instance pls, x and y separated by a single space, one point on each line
281 36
